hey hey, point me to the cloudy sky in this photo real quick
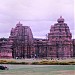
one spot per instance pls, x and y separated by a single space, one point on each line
38 14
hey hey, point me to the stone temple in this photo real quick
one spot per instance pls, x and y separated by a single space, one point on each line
22 44
22 41
60 40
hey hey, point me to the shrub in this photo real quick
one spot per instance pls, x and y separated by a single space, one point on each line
38 63
35 63
11 62
3 61
72 63
52 63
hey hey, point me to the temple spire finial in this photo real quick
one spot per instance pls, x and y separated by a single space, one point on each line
59 20
19 22
60 16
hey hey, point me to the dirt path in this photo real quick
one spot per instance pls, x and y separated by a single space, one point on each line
65 72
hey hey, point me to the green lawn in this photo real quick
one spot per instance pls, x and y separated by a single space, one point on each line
39 70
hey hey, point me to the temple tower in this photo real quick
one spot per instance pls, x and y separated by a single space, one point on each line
60 40
22 41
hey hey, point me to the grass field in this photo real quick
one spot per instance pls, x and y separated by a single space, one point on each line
39 70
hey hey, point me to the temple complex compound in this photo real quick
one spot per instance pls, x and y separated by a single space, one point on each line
21 43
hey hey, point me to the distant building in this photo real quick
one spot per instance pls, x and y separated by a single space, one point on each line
41 48
5 48
73 47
